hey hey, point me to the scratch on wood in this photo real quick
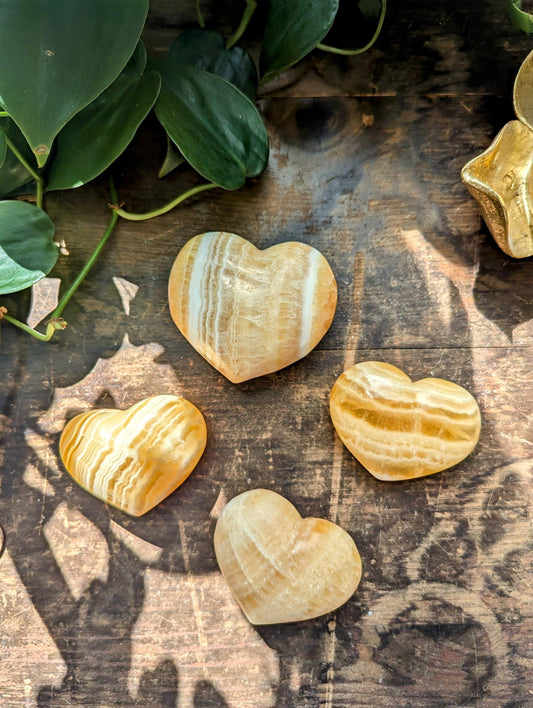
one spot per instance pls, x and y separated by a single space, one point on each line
476 666
42 515
338 453
349 360
357 298
13 616
202 639
489 501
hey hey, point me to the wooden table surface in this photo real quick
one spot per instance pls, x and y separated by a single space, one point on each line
100 609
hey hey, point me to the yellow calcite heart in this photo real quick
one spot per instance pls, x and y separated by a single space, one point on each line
400 429
280 567
251 312
134 459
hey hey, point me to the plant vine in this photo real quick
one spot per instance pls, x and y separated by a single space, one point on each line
58 136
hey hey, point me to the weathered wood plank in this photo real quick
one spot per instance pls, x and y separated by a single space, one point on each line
98 609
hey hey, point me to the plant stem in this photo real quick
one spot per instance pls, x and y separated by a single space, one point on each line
56 322
51 327
249 10
353 52
199 15
163 210
87 267
40 194
4 114
36 176
519 18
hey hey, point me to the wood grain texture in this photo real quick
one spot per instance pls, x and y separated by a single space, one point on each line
365 166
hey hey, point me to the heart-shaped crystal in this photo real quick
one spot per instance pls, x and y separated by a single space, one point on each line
280 567
251 312
400 429
134 459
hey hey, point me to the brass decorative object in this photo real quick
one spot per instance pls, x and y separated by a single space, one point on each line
500 178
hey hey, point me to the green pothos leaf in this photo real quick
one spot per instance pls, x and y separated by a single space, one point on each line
216 127
13 175
56 56
173 159
98 134
293 29
206 50
27 251
521 20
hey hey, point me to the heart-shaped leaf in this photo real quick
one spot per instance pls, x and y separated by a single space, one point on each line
56 56
27 252
216 127
206 50
292 30
99 133
13 175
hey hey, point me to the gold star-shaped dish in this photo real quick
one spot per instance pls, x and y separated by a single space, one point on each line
501 178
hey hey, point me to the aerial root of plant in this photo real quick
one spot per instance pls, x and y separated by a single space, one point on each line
58 323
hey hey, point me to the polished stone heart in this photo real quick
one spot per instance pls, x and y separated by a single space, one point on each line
251 312
134 459
400 429
280 567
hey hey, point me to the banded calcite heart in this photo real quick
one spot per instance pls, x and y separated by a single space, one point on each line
280 567
251 312
399 429
133 459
